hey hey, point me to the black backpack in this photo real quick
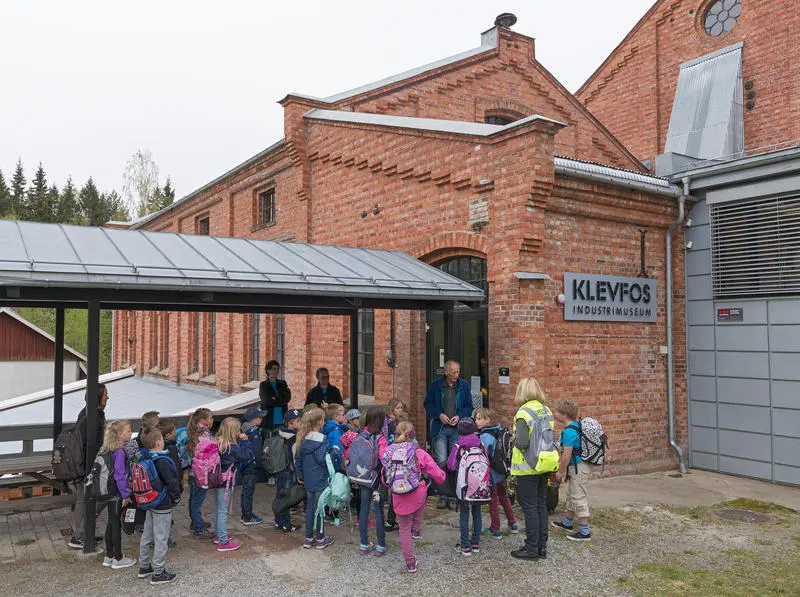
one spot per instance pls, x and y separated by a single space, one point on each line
100 482
500 459
68 458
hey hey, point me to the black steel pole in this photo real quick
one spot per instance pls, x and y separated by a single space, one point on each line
92 373
354 359
58 375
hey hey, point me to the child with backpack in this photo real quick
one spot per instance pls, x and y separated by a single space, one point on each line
362 468
200 446
109 482
234 453
396 410
335 426
157 490
312 471
252 429
168 433
353 417
473 483
498 443
284 478
403 465
574 470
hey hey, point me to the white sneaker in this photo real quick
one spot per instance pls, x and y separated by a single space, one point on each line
107 561
125 562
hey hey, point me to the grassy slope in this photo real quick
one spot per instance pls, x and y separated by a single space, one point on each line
75 321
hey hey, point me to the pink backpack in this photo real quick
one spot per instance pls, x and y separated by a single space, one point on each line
206 465
474 476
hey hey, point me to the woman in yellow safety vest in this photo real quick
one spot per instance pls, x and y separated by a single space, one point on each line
533 458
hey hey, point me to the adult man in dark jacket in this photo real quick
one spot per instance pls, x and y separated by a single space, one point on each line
448 400
78 487
324 393
275 396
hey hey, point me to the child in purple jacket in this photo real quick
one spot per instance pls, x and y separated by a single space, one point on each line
467 439
116 434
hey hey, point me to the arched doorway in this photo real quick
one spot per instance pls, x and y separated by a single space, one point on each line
467 328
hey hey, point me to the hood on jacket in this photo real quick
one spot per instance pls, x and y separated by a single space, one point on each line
288 434
248 426
469 441
315 437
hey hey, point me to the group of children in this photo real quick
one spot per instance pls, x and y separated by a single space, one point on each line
377 451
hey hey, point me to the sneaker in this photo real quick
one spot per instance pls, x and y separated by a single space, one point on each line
107 562
215 540
171 543
123 562
560 525
379 551
229 546
271 482
542 554
309 543
464 551
411 566
452 504
145 572
513 529
365 549
416 534
75 543
390 526
204 534
251 520
523 554
475 547
323 542
442 505
496 534
163 578
580 536
289 529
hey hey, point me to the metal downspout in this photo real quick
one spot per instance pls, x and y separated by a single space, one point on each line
670 359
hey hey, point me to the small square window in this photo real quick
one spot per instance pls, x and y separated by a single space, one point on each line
203 226
266 207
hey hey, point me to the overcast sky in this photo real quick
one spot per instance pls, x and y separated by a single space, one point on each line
85 84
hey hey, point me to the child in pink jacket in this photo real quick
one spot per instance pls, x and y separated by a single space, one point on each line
409 507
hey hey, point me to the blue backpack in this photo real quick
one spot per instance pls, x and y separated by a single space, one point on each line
147 487
182 442
362 466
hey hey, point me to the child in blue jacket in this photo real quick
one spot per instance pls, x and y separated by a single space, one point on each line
312 471
335 426
252 470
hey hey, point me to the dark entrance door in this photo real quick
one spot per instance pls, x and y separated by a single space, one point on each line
468 332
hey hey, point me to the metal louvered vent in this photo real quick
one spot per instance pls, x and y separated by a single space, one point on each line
755 247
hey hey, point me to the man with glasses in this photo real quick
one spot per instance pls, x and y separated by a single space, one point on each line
323 393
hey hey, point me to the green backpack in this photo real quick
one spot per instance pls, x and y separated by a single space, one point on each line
335 496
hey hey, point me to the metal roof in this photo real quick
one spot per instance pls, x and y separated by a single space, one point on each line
707 119
81 261
615 176
14 315
457 127
488 43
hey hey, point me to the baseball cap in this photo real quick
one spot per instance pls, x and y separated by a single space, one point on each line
351 414
253 412
291 415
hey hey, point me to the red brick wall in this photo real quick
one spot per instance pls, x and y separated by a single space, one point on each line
633 91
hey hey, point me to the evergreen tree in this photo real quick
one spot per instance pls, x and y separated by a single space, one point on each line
18 183
40 207
5 197
167 194
67 211
114 206
98 208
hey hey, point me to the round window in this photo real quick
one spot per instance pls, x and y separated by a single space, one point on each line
721 16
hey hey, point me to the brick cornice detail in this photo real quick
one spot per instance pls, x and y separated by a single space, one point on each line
434 247
458 181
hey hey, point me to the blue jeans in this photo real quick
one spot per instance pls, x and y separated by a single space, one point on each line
363 517
197 496
312 499
476 523
443 444
283 482
221 514
248 490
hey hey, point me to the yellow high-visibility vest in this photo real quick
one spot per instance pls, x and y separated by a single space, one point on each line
542 453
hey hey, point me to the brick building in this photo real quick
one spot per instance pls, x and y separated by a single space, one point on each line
482 164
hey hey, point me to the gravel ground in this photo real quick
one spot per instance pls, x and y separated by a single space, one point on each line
622 538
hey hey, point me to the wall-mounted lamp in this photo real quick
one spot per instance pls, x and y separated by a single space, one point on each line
561 298
690 244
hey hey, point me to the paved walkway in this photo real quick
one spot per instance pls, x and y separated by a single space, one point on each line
40 536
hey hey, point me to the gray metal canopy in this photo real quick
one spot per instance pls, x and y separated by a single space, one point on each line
60 264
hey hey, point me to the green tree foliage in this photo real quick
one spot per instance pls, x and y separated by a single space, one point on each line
98 208
39 207
75 326
5 197
18 184
67 211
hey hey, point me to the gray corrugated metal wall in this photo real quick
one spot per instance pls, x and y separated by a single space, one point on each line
744 378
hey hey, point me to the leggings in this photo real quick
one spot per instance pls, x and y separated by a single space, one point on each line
114 530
